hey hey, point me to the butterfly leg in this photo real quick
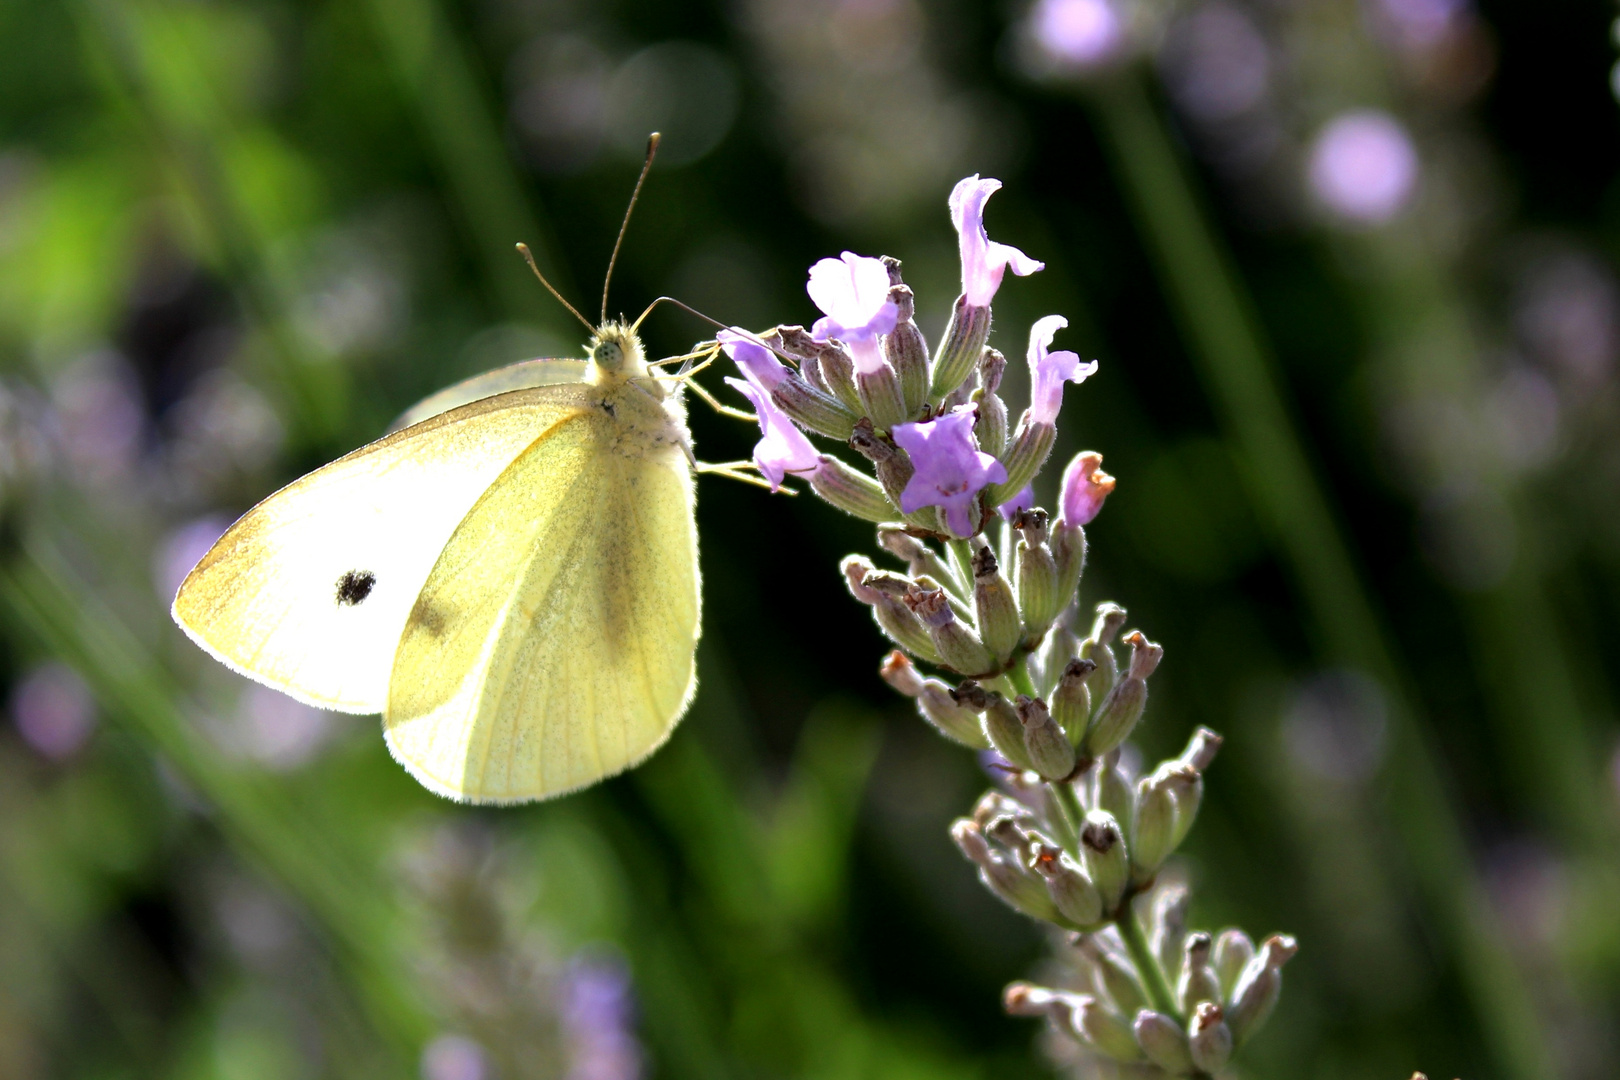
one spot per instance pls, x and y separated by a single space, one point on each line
718 406
736 470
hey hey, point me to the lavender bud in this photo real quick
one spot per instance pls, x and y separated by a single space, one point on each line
1165 1044
1123 706
905 348
1072 893
1023 458
1005 732
1169 925
880 397
1038 594
815 409
1068 544
1105 1030
1257 988
1233 951
893 467
1048 748
920 559
1071 701
855 493
934 702
1112 789
1186 789
1110 617
1115 975
893 617
957 645
996 610
833 362
1209 1039
1152 828
1102 853
1014 886
1025 999
960 348
1051 656
990 425
1201 749
1198 982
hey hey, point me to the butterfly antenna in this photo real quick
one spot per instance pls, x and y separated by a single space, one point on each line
646 166
528 257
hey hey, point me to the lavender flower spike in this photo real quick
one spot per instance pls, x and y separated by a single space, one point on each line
950 468
1048 371
753 359
983 260
782 449
853 294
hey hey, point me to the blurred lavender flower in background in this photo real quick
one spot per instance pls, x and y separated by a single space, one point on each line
598 1017
454 1057
1363 167
1075 35
53 710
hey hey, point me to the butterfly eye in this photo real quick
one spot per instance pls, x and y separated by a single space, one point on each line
608 355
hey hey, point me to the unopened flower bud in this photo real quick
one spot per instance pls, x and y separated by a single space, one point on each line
990 427
1169 925
1045 665
1072 893
1112 789
816 409
960 348
1163 1041
881 397
1104 1030
1048 747
1186 789
1122 708
904 347
934 702
1257 988
1071 701
1068 545
1153 827
1039 598
1025 454
833 363
1026 999
957 645
1209 1040
996 610
893 468
1015 886
993 804
1097 648
1006 732
1201 749
1083 489
1115 975
1197 982
1103 854
883 591
1233 951
920 559
851 491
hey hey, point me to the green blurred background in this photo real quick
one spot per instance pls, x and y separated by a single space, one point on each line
1348 266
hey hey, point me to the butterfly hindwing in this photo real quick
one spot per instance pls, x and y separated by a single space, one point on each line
308 592
553 643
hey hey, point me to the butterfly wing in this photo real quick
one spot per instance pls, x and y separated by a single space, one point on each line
553 644
310 590
519 376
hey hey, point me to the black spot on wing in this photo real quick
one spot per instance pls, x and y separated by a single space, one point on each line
354 586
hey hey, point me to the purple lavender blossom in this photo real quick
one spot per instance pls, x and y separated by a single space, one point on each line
852 292
1084 488
597 1016
951 470
1018 503
754 360
1048 371
782 447
983 260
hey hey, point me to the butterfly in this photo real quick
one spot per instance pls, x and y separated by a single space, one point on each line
510 577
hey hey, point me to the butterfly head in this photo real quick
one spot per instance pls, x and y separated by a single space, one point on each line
616 354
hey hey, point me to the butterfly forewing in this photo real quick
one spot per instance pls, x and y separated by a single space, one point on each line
310 590
553 643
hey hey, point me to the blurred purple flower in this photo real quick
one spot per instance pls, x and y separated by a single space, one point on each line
1363 166
1018 503
1083 489
1048 371
1422 23
782 448
454 1057
53 710
754 360
983 260
1077 33
951 469
852 292
598 1016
